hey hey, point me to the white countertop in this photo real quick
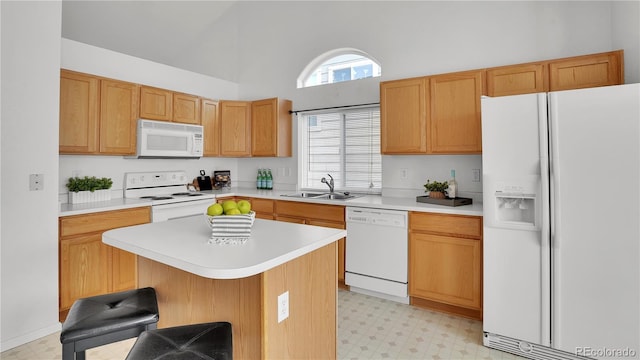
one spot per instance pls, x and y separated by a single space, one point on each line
369 201
183 244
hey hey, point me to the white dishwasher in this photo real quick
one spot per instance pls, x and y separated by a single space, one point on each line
377 252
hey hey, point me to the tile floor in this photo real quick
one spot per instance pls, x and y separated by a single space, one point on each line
368 328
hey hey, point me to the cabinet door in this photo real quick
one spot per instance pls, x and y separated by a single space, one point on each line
83 268
586 71
118 115
235 128
445 269
262 207
156 104
403 123
186 109
79 96
341 244
517 79
454 124
211 127
271 127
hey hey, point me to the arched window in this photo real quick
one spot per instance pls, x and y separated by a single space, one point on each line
339 65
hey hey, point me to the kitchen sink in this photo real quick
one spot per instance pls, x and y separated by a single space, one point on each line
305 195
314 195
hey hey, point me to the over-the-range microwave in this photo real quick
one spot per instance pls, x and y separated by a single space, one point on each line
161 139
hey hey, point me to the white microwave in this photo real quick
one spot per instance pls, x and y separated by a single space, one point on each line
161 139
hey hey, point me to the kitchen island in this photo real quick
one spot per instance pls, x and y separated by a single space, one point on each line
199 282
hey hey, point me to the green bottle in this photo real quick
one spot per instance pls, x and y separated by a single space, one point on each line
259 179
269 180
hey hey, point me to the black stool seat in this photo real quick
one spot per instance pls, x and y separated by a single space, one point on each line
208 341
104 319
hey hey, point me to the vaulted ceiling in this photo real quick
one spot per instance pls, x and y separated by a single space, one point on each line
167 32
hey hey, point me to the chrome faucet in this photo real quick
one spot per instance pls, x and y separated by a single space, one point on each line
329 183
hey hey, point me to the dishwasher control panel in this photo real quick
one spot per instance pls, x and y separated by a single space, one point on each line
395 218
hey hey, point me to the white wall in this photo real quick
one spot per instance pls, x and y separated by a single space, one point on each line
416 38
29 236
93 60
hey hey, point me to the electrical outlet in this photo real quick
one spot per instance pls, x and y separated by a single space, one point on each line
404 174
476 175
36 182
283 306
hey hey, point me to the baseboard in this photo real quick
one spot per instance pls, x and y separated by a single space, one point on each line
25 338
449 309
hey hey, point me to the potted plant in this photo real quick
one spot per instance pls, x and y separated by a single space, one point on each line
436 189
89 189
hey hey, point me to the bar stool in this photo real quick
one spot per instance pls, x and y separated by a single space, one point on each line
207 341
104 319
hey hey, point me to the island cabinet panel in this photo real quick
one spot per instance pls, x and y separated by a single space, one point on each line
517 79
186 109
87 266
271 127
319 215
445 263
586 71
250 304
454 121
211 127
118 116
403 122
156 104
79 106
235 128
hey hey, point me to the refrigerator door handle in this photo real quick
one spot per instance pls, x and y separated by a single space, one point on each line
545 231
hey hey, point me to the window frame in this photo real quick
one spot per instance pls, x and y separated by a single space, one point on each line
320 60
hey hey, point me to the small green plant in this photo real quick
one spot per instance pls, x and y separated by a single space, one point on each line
436 186
76 184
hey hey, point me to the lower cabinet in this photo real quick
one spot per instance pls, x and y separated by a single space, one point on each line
87 266
319 215
445 263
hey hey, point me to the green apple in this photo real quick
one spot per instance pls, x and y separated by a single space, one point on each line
215 210
233 211
228 205
244 206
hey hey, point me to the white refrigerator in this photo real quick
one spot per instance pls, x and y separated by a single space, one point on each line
561 188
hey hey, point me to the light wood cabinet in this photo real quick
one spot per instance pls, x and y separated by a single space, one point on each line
271 127
118 116
211 127
517 79
97 115
319 215
88 267
186 109
79 111
445 262
454 125
156 104
586 71
403 122
235 128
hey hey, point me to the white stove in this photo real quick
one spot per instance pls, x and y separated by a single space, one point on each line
171 194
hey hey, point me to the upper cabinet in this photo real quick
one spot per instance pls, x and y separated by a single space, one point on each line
211 127
403 125
166 105
517 79
432 115
97 115
79 111
186 109
235 128
454 123
271 127
587 71
156 104
440 114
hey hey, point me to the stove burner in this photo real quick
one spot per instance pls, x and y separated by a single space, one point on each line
156 197
187 194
